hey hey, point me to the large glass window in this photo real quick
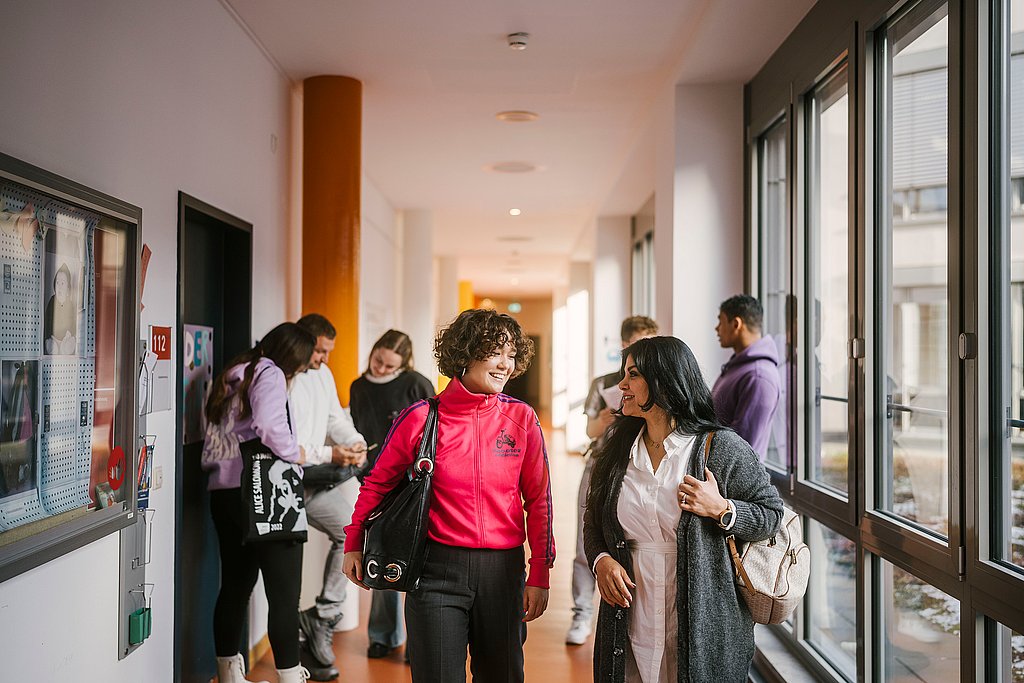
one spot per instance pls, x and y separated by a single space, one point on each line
773 218
643 275
1010 468
913 386
832 598
921 637
1007 647
828 285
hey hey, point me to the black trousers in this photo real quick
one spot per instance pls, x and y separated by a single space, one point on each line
281 564
473 598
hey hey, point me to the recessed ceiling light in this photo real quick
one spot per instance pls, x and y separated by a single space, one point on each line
511 167
514 212
517 116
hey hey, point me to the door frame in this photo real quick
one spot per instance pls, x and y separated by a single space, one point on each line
186 204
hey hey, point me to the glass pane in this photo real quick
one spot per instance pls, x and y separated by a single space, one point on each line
915 387
1009 654
921 642
67 439
1011 540
832 598
773 215
828 295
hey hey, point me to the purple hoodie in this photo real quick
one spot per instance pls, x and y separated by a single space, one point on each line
268 396
747 393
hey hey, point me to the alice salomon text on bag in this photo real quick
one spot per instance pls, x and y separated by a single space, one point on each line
273 497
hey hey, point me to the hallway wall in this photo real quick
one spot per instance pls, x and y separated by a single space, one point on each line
698 236
139 100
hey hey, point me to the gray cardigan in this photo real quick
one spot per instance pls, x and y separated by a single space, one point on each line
716 631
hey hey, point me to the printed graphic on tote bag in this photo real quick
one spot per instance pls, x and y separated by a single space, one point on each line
276 499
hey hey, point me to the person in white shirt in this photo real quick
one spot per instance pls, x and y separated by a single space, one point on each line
600 416
669 484
331 443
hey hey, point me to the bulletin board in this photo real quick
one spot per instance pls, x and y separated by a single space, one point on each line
68 365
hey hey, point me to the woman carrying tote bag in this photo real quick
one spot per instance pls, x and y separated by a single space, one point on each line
490 467
656 525
249 401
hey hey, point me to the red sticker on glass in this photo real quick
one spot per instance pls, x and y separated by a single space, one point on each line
115 468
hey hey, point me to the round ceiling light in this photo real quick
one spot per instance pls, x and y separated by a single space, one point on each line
517 116
514 212
511 167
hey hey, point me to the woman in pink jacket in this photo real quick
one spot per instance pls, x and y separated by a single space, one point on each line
490 467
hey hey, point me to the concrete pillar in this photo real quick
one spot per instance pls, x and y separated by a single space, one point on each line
610 290
699 214
418 288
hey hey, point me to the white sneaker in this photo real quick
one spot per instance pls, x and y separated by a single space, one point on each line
578 632
232 670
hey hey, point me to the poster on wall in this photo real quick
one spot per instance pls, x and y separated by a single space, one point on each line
197 373
19 439
63 287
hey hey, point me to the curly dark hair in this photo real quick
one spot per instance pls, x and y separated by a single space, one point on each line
476 334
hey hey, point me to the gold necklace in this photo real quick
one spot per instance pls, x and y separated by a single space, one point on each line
653 445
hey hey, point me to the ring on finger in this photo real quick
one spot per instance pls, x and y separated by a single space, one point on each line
683 501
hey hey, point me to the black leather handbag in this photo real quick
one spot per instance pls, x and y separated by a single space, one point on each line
396 531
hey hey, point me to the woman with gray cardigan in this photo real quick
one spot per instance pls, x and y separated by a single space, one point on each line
659 510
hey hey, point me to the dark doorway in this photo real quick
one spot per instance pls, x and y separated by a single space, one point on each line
214 290
526 387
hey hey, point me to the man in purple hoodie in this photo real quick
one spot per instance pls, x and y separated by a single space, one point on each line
747 392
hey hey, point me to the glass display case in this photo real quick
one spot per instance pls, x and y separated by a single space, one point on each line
69 302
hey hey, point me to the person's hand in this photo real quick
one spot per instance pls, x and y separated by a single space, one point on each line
702 497
535 601
352 567
348 455
613 582
605 418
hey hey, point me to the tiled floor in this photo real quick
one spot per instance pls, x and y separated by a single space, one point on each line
548 659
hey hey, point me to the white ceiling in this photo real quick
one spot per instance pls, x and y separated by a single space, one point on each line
436 72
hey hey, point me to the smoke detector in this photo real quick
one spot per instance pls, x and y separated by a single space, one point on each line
517 41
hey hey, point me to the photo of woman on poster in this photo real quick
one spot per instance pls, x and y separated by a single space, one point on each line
62 281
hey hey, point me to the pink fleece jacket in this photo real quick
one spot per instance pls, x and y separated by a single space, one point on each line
491 466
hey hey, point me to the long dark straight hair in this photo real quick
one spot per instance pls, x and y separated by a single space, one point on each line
674 384
288 345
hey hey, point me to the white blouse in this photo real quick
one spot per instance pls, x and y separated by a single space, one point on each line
648 510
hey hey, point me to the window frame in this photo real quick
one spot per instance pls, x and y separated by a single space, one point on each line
781 477
886 529
1001 584
780 88
833 503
